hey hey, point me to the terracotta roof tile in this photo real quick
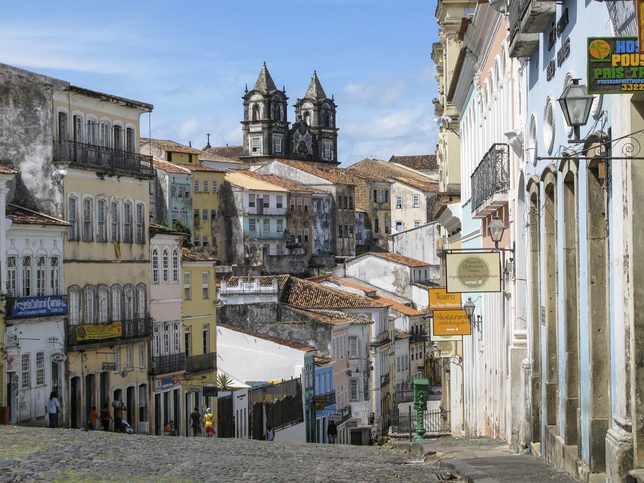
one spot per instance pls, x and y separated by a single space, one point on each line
331 317
248 181
397 306
169 167
310 295
400 334
24 216
400 173
202 168
193 256
233 152
283 182
276 340
173 146
423 161
156 229
264 280
334 175
394 257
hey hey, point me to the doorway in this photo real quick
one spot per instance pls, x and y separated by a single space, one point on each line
74 403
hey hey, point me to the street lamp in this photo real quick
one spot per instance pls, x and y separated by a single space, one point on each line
576 103
496 229
469 309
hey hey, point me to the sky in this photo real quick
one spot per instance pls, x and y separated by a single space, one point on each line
192 60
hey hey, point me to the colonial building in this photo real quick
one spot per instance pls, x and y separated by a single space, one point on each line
171 194
266 130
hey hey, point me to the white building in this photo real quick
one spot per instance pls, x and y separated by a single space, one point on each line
35 312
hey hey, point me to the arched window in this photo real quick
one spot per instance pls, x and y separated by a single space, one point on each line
128 302
103 303
115 221
175 266
255 112
307 118
166 265
155 266
26 276
277 111
54 275
116 303
141 302
104 134
127 222
327 119
73 301
89 304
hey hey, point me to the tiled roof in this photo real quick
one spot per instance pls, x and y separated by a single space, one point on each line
156 229
331 317
405 175
334 175
394 257
202 168
7 169
170 167
400 334
232 152
320 278
111 98
173 146
216 158
423 161
276 340
310 295
315 90
264 81
428 187
193 256
252 181
264 280
397 306
288 184
24 216
346 283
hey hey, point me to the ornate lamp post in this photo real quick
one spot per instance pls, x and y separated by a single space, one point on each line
576 103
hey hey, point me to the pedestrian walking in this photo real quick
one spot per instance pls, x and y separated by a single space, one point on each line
209 423
270 433
119 407
105 418
92 418
52 409
332 432
195 418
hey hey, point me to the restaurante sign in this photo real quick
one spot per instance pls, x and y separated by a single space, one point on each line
474 272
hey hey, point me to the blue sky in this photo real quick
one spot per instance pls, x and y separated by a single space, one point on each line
192 59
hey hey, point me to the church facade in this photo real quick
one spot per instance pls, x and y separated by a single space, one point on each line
267 133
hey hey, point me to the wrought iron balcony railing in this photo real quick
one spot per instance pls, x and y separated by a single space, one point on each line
203 362
323 400
108 333
168 363
103 158
491 178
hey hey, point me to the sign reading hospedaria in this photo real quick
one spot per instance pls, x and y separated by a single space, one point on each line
615 65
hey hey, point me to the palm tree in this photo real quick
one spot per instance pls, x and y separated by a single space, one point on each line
224 382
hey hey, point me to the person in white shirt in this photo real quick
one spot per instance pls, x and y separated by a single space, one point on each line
52 409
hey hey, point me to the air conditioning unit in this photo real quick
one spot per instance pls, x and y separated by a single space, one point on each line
143 427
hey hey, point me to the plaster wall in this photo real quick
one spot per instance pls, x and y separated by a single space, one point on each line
382 273
418 243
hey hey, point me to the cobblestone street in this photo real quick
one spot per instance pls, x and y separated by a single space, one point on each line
28 454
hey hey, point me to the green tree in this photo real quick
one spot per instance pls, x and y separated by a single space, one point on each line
187 241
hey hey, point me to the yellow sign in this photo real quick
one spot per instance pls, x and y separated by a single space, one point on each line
98 331
474 272
440 298
451 322
447 348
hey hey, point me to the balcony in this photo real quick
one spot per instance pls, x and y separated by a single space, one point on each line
491 181
203 362
384 380
413 338
528 18
266 235
30 307
323 400
89 156
168 364
83 335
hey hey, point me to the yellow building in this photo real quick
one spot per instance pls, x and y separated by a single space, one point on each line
208 223
199 317
106 253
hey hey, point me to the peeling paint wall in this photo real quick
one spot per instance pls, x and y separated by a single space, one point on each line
418 243
383 274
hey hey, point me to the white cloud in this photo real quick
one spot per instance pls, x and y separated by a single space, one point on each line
383 94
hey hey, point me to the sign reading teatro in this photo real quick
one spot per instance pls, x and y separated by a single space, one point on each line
440 298
615 65
474 272
38 306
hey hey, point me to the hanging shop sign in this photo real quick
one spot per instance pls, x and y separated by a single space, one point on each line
451 322
447 348
440 298
58 357
38 306
615 65
442 338
99 331
210 391
474 272
108 366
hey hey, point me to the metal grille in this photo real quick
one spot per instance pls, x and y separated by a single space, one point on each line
491 176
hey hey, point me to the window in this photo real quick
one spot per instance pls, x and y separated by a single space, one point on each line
140 223
399 226
141 302
197 187
278 201
142 356
166 340
306 234
88 227
183 217
89 301
213 214
205 289
205 335
353 389
175 215
116 231
103 304
326 149
118 137
205 241
54 276
251 200
376 225
206 186
267 201
255 146
128 305
73 301
91 132
277 145
25 371
40 368
104 135
340 231
187 341
187 293
279 225
101 221
196 216
156 341
129 139
399 202
127 222
196 241
116 303
176 337
40 276
299 204
72 218
175 266
252 225
266 225
204 214
26 276
155 266
351 202
11 276
62 126
166 265
215 186
416 201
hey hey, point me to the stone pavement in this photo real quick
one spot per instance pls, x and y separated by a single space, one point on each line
36 454
485 461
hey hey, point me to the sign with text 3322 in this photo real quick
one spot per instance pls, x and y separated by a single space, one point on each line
615 65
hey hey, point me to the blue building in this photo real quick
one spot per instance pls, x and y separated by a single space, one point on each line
324 398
